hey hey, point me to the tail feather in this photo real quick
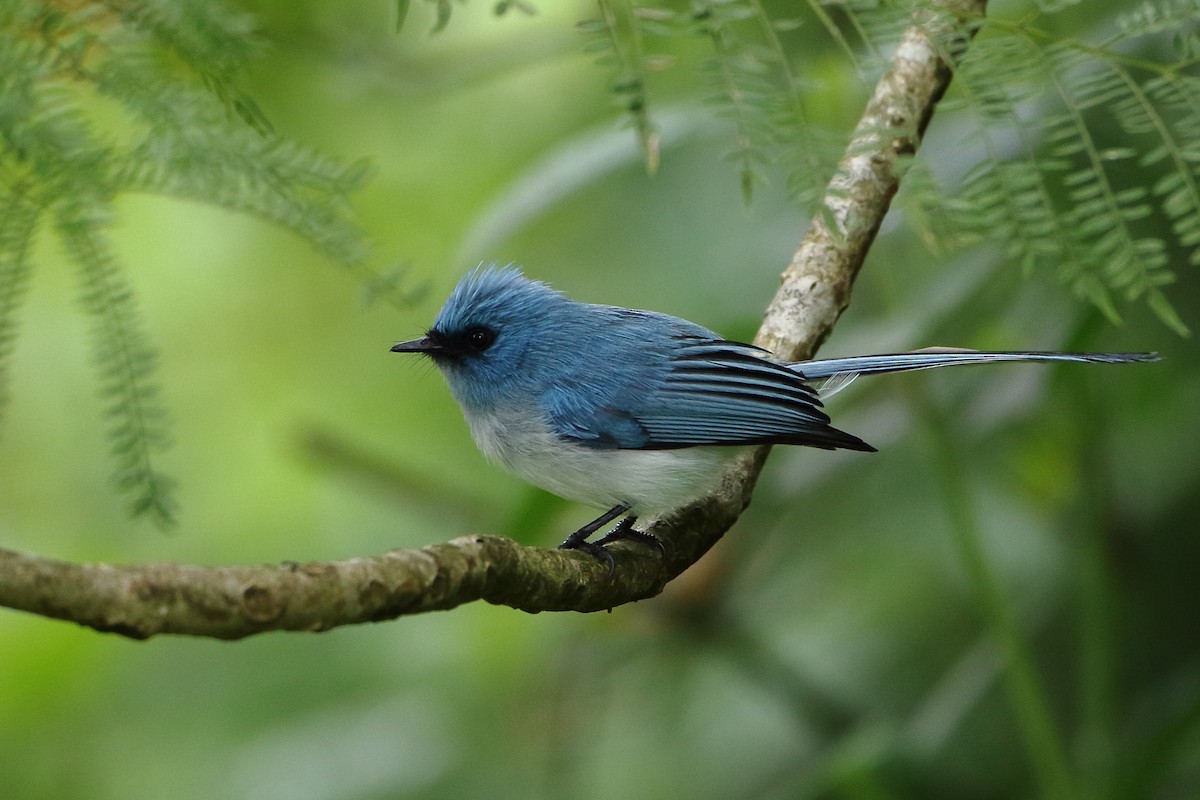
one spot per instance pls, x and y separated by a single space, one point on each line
837 373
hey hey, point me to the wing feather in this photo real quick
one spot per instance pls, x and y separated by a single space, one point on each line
715 392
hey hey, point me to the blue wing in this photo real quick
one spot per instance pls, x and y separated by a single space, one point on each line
702 391
726 393
648 381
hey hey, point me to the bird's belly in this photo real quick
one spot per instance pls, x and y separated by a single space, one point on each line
648 481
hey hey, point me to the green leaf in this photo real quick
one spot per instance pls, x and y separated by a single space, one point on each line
443 10
1166 312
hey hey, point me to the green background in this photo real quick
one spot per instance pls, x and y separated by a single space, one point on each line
831 645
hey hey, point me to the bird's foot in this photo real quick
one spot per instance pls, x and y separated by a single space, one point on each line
578 539
596 551
623 530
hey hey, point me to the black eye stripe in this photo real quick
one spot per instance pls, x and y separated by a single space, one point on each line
470 341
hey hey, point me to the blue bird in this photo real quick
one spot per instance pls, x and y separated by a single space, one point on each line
635 411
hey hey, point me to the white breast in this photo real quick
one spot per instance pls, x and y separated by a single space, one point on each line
648 481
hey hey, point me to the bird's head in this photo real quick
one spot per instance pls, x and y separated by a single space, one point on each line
487 338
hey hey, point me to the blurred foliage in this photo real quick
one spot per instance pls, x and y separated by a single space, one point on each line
168 71
838 643
1048 187
102 99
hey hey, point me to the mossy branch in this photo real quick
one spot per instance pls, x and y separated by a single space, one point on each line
238 601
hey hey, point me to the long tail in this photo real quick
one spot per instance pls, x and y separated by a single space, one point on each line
837 373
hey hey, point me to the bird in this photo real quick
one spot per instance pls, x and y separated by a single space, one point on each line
637 412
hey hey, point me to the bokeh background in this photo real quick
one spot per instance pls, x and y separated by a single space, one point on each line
833 645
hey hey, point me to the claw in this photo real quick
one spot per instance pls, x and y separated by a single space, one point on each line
578 539
626 531
623 530
598 552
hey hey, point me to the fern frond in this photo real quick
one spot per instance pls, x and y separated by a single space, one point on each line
879 24
1080 154
617 37
996 75
835 34
18 226
1179 190
1180 18
278 181
1101 214
1006 197
800 141
213 47
102 98
755 87
443 9
125 361
743 87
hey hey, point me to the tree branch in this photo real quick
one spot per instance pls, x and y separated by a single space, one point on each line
140 601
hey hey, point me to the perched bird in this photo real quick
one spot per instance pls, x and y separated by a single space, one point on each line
635 411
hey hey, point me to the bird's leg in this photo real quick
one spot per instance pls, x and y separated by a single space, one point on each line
623 530
626 531
580 536
578 539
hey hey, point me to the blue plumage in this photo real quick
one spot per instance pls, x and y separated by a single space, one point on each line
611 377
630 409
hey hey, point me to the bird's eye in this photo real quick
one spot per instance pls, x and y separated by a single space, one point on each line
479 338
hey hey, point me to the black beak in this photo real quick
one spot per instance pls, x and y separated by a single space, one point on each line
422 345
